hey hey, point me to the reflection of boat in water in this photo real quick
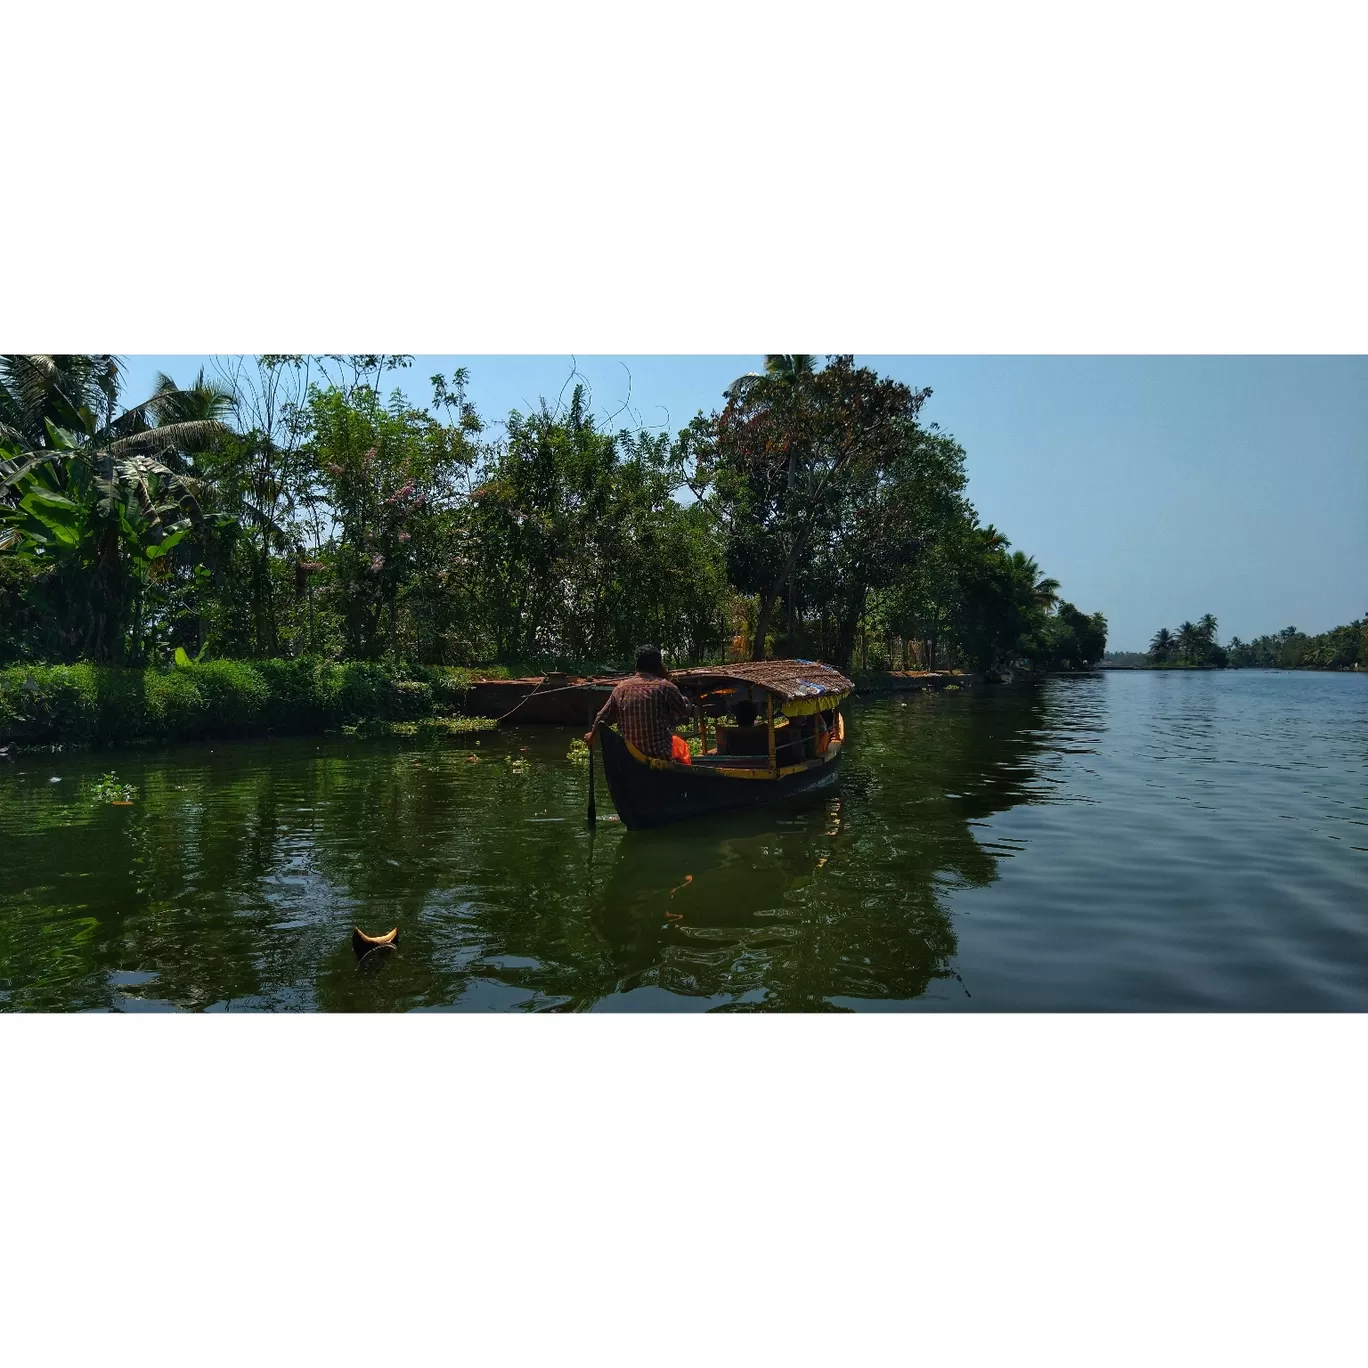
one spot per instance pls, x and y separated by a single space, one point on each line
762 911
797 752
705 910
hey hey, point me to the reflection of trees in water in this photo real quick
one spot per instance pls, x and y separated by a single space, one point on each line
237 876
230 879
789 912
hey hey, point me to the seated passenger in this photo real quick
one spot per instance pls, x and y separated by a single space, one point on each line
823 738
746 738
789 741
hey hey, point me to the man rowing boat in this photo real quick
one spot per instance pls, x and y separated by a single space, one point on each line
645 706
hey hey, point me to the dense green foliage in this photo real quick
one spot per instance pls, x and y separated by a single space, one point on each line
1194 645
284 509
1341 648
87 704
829 493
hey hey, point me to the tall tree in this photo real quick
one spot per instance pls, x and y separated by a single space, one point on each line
780 458
1162 647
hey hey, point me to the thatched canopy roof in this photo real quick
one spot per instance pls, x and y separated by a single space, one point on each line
786 679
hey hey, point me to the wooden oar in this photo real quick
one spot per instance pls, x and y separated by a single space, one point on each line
592 815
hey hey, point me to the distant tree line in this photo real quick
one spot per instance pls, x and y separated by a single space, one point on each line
283 506
1341 648
1194 645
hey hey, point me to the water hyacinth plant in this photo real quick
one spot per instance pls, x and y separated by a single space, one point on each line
108 789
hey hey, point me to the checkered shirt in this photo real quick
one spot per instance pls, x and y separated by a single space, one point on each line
645 708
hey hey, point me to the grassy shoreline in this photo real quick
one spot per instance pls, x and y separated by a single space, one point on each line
98 706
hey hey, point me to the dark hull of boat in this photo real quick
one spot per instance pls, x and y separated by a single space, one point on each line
650 797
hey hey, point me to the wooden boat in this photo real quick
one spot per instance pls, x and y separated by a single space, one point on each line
554 699
801 757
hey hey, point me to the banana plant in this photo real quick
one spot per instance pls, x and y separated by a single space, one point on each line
104 534
99 498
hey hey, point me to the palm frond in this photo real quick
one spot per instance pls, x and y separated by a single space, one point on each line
178 436
205 400
42 387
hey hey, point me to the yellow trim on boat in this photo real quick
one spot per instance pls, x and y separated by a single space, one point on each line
803 707
816 763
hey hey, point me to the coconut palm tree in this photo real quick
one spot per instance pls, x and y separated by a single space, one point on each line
1162 646
1189 643
102 498
36 390
40 394
1043 591
791 369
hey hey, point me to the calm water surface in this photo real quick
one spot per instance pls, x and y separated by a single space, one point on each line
1128 841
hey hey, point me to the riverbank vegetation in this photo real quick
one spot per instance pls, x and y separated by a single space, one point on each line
1194 646
288 508
1341 648
87 704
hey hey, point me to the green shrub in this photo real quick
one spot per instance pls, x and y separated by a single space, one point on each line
409 699
42 703
298 693
123 704
234 697
449 684
107 705
175 707
362 691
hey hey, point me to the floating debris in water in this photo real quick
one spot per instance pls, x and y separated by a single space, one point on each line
364 944
456 725
108 789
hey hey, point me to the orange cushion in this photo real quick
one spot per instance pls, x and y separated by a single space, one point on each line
679 750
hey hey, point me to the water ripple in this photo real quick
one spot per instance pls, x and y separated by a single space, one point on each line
1131 841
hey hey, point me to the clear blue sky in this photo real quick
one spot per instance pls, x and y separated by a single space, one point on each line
1153 488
